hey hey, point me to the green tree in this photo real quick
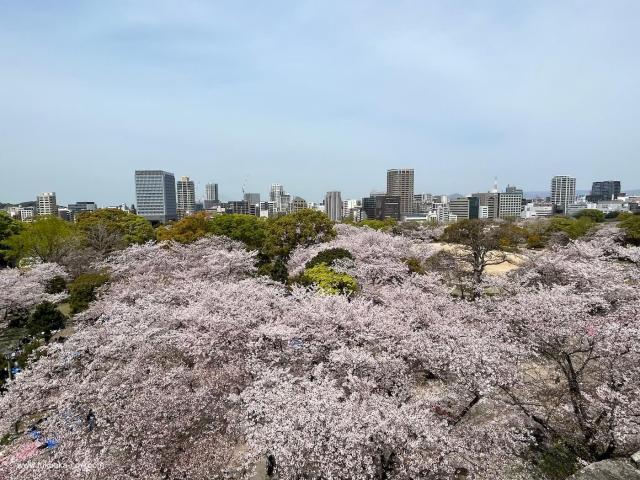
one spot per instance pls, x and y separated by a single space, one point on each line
592 214
8 228
630 224
45 318
483 243
82 290
573 227
48 239
187 230
56 285
327 257
304 227
328 280
248 229
131 229
384 225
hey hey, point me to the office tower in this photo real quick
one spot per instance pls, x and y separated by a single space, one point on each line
333 206
65 214
400 184
488 204
297 204
239 207
351 207
79 207
459 208
279 198
46 204
422 202
27 213
605 190
156 195
252 198
510 203
563 192
186 197
380 206
210 196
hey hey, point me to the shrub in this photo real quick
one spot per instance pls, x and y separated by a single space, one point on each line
415 266
56 285
593 214
384 225
82 290
44 319
328 280
328 256
574 228
631 227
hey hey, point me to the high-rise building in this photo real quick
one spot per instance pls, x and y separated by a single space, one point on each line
186 197
489 203
510 203
240 207
46 204
210 196
297 204
606 190
279 198
252 198
460 208
333 206
79 207
400 184
156 195
563 192
380 206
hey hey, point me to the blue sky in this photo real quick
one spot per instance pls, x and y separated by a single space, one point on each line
316 95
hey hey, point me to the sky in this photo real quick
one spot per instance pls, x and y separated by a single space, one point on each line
316 95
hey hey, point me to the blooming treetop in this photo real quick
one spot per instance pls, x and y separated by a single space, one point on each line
195 368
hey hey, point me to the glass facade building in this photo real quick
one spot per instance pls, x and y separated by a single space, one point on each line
156 195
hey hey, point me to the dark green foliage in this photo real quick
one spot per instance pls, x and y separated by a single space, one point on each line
8 228
328 257
594 215
56 285
279 270
44 319
247 229
630 224
384 225
18 317
305 227
556 461
415 266
574 228
82 290
131 228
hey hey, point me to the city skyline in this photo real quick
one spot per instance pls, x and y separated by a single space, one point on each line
237 95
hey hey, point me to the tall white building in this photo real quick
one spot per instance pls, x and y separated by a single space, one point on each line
186 197
563 192
333 205
279 198
47 204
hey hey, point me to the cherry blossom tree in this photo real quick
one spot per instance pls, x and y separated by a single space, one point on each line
23 288
189 365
